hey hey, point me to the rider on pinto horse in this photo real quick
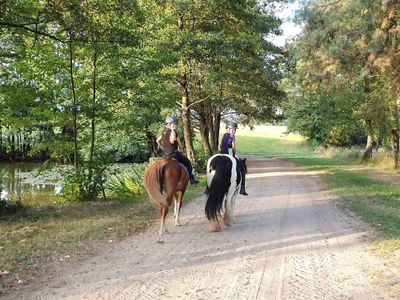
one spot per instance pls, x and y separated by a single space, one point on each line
170 143
228 146
228 143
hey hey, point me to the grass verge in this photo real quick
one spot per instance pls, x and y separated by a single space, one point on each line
33 238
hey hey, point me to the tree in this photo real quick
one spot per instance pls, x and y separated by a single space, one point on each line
337 50
219 62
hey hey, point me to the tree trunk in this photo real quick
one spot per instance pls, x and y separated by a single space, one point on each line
214 129
13 144
204 132
93 113
1 139
378 142
186 120
394 118
184 105
370 140
74 102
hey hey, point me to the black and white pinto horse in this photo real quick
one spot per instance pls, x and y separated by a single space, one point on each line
225 176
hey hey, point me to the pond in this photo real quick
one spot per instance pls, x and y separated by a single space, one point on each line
23 182
33 185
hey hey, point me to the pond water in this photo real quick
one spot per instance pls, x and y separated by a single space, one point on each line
33 185
23 182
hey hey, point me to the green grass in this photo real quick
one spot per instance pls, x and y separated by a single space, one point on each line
376 202
270 146
271 141
36 236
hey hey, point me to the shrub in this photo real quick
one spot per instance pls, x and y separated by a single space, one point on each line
9 208
127 185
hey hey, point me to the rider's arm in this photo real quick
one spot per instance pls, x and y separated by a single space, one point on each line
180 148
159 142
223 140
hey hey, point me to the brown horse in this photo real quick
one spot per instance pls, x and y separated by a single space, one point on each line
165 180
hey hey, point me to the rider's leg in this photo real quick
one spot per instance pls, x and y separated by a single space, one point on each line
183 159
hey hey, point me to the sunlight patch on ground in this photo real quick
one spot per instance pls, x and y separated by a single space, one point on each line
281 174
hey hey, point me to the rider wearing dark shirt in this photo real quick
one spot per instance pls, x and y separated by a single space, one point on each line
170 143
170 149
228 145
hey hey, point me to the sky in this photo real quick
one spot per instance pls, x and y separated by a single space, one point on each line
286 13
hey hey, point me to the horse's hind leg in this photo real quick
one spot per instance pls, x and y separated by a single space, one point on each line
163 227
229 217
227 213
215 227
178 205
235 220
233 203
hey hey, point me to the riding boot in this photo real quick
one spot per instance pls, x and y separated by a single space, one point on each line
193 180
243 191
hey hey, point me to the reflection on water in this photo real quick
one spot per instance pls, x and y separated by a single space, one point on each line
21 182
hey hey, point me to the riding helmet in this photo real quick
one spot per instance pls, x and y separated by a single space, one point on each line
231 125
171 119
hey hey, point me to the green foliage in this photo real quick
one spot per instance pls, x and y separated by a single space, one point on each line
342 55
133 148
88 181
128 185
201 161
326 117
76 75
9 208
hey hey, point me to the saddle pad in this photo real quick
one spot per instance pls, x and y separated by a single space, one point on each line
185 169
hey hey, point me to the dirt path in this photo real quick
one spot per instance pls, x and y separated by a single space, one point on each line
290 242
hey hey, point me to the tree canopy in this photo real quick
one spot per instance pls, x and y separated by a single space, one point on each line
345 79
90 82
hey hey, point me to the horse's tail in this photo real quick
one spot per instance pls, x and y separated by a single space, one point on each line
153 180
220 168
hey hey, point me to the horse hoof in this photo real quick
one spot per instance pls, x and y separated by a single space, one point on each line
215 229
227 221
160 242
178 224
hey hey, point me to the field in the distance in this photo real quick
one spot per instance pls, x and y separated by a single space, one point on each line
269 140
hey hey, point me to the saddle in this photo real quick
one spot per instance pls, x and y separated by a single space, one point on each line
160 170
182 166
185 169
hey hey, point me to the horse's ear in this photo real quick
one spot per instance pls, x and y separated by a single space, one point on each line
244 159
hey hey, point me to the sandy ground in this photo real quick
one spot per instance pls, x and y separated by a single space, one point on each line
290 242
